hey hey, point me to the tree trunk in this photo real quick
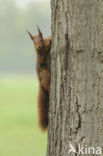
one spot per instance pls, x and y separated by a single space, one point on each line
76 100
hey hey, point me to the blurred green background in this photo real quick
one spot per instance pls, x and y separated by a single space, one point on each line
19 132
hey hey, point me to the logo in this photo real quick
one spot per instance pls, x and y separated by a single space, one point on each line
84 150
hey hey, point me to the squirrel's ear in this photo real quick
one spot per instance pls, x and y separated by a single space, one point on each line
40 33
32 37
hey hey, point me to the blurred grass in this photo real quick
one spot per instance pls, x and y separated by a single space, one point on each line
19 132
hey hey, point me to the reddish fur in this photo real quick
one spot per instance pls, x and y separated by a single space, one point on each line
43 101
42 47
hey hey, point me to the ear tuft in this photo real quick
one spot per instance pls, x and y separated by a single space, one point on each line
39 31
30 35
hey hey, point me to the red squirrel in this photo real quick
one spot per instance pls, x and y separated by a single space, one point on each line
42 47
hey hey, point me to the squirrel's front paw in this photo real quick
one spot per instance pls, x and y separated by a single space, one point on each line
49 89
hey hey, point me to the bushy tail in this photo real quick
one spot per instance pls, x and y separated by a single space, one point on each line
43 104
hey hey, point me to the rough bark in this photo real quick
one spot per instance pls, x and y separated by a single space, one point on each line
76 101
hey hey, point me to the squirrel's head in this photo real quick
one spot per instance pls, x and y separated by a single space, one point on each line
37 40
